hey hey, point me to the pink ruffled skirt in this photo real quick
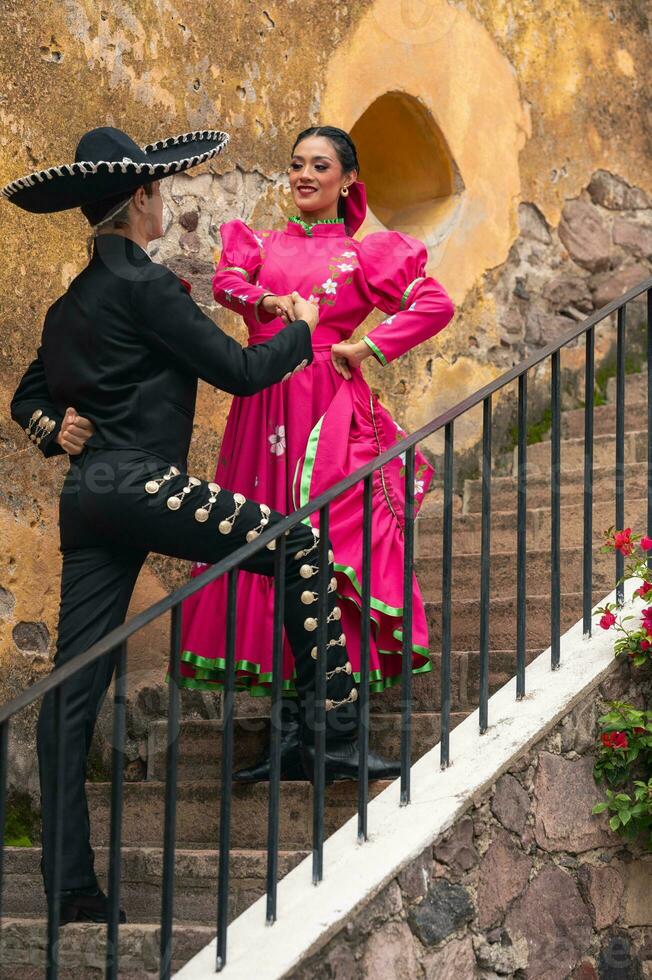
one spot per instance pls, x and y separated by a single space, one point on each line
283 447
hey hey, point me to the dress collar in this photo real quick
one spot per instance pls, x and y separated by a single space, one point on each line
330 226
111 247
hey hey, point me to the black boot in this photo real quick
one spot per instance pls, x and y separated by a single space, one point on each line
84 906
343 762
291 765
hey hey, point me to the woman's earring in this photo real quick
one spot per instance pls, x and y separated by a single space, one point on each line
344 192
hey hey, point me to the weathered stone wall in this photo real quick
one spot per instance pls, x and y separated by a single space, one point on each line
526 101
526 885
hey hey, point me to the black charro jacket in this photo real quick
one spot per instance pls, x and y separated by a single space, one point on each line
125 345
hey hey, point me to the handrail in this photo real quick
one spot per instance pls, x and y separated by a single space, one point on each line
116 641
122 633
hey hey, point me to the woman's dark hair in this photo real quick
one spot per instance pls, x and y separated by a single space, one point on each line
344 147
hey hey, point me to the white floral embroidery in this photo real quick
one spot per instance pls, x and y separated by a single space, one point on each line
413 307
277 441
386 323
330 286
313 299
259 240
418 486
401 433
348 255
242 298
228 295
343 267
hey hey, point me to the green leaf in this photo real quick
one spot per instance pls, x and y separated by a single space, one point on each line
600 808
625 817
614 822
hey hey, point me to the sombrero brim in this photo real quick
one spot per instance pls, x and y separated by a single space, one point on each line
72 185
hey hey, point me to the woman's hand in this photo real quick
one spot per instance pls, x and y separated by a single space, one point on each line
74 433
280 306
348 357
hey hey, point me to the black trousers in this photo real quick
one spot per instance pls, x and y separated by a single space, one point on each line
115 507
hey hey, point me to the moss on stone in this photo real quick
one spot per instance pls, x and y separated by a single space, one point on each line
21 821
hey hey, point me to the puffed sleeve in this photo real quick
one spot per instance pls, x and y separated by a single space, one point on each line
394 267
234 282
33 409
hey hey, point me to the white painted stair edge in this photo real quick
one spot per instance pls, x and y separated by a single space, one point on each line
353 873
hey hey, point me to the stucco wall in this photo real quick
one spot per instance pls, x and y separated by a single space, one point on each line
530 99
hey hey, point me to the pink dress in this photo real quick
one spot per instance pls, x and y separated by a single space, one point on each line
288 443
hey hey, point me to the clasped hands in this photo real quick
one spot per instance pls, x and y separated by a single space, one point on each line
345 357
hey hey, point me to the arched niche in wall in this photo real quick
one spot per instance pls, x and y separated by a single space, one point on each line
411 178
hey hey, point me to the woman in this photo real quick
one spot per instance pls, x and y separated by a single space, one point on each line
290 442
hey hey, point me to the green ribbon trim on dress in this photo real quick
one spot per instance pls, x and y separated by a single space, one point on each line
236 268
404 297
376 350
309 225
204 682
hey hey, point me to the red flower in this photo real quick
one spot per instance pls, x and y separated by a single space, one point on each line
607 620
643 589
640 731
185 283
646 543
623 542
615 740
644 644
647 618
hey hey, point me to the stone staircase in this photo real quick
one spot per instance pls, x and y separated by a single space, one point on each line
81 949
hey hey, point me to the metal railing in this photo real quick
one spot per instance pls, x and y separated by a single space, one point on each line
115 643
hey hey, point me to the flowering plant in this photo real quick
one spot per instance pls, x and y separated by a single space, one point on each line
625 754
635 642
624 762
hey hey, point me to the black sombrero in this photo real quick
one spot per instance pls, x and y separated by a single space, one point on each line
109 164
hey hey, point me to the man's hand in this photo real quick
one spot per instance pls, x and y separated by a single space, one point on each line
303 310
74 433
348 357
280 306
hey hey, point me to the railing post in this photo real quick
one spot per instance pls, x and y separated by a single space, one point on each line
117 794
649 421
171 762
408 578
273 816
521 538
620 447
555 514
363 686
319 769
227 774
54 903
485 564
587 551
4 751
446 583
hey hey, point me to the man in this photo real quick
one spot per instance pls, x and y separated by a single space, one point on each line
125 346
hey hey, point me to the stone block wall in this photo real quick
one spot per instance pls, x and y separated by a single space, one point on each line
526 885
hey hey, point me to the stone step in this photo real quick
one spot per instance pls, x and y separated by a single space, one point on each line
467 527
572 452
466 573
635 388
81 949
195 881
465 627
604 419
200 742
504 488
198 806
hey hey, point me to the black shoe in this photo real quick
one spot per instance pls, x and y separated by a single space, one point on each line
79 906
291 765
343 762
